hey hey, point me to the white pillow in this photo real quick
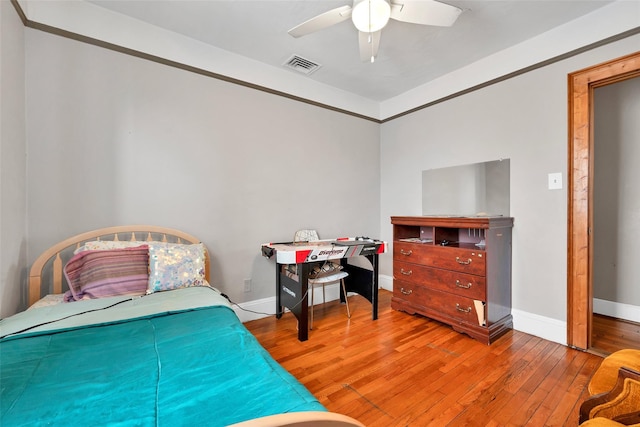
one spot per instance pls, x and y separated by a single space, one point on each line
106 245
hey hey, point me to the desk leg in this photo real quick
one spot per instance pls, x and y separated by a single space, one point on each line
302 312
279 308
292 294
364 282
374 292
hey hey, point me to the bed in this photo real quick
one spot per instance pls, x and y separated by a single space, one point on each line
97 348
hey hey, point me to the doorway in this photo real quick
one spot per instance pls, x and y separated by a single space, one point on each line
580 204
616 225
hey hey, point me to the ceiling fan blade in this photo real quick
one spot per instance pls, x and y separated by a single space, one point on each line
425 12
324 20
369 43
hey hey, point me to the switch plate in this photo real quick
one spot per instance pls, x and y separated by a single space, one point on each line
555 181
247 285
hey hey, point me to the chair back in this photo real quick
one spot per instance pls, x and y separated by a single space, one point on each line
306 236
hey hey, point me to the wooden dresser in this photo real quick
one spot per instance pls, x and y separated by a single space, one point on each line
456 270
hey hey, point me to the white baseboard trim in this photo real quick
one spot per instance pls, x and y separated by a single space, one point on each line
385 282
257 309
540 326
616 309
265 307
529 323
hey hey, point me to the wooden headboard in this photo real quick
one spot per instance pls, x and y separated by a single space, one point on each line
46 277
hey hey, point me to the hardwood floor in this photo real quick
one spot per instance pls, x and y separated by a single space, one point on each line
404 370
610 334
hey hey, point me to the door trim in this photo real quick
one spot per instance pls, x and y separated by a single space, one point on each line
580 190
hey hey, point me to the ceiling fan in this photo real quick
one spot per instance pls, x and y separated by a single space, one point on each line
371 16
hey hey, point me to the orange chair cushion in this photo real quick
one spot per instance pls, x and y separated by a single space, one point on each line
607 374
603 422
627 402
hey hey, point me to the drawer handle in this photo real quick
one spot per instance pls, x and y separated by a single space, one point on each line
409 292
463 262
406 273
462 285
405 253
463 310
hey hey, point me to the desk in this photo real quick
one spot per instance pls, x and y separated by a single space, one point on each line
293 294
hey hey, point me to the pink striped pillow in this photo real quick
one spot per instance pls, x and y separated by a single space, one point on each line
100 274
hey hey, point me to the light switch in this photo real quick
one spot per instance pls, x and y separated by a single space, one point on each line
555 181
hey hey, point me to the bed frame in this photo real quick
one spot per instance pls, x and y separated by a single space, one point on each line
302 419
46 276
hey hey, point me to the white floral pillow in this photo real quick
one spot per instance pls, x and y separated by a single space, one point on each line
107 245
173 266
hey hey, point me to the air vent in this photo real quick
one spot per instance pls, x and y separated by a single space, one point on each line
301 65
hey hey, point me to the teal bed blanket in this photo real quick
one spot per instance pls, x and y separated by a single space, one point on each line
172 366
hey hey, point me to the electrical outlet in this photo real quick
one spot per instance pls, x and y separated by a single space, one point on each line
247 285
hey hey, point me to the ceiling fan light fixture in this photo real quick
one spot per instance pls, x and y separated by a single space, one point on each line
370 16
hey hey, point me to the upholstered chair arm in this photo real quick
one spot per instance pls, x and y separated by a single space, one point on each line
621 404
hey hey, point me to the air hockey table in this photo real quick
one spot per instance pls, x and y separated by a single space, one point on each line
292 290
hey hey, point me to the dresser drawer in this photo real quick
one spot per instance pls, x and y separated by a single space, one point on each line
455 307
462 284
450 258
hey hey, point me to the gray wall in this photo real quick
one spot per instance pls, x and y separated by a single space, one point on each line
616 192
113 139
523 119
13 179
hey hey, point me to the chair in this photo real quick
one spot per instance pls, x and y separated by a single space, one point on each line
614 392
323 275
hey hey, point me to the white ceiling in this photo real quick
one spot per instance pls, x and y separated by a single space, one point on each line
410 55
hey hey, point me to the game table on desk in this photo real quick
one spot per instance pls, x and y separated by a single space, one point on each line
293 294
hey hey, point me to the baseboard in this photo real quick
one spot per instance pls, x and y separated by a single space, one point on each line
257 309
540 326
265 307
616 309
556 330
385 282
529 323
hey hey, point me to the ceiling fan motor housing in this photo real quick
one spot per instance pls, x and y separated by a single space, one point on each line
370 16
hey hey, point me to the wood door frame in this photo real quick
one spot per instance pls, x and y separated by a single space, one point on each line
580 190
